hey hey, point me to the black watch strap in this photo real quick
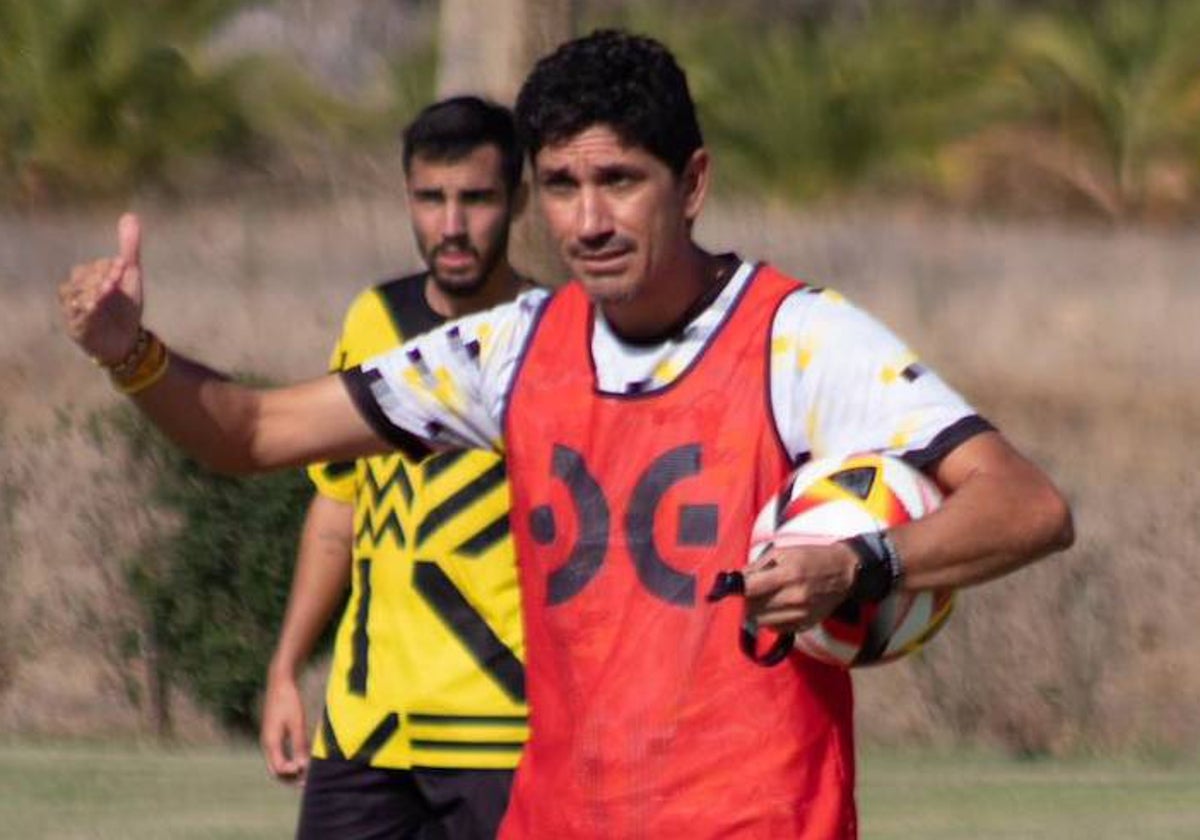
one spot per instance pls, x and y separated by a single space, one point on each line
879 570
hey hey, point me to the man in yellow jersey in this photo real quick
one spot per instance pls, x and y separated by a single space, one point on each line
425 713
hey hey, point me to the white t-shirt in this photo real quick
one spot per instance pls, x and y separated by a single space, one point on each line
840 381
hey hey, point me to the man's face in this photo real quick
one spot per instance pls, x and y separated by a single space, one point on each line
460 211
620 215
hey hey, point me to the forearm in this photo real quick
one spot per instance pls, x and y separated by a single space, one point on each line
204 413
1002 513
236 429
321 576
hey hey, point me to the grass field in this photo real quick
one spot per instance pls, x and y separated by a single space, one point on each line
134 793
129 793
973 796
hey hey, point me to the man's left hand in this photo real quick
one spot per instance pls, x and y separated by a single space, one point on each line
791 589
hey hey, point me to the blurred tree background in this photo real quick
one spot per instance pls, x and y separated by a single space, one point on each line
1007 106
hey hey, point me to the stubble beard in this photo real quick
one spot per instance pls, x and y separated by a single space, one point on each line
609 291
465 287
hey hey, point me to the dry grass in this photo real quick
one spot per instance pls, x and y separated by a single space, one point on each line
1078 342
251 289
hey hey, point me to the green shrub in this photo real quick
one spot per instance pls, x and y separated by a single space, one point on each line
1119 84
213 591
101 96
1094 100
802 109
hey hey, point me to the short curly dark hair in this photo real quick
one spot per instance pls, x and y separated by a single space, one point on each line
629 83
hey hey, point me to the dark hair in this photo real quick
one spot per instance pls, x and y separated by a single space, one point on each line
452 128
629 83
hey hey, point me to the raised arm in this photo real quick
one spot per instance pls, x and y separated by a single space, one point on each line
226 426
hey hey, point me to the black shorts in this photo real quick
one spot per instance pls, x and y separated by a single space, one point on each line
345 800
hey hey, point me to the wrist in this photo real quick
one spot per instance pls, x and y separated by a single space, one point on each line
144 364
879 570
124 357
286 668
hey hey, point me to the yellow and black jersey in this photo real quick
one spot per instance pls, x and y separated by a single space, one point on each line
428 666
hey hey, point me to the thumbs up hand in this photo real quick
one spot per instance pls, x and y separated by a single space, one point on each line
101 302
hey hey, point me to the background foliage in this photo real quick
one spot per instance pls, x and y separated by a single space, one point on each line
213 590
97 96
1088 106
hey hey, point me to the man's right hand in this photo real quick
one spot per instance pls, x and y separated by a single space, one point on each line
284 732
102 300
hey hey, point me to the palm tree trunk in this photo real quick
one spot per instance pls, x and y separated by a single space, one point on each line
488 48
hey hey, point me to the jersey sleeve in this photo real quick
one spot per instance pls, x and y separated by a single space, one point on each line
842 383
335 479
448 388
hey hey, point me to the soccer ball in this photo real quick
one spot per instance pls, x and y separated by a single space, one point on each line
828 500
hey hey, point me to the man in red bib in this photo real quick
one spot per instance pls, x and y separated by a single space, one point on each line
647 410
648 718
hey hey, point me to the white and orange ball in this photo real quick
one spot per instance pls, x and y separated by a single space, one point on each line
829 500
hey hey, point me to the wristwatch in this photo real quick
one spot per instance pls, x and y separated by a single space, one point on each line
879 569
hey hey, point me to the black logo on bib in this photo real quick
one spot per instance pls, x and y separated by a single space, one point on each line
697 525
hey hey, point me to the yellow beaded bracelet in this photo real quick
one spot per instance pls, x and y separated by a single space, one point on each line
141 370
135 354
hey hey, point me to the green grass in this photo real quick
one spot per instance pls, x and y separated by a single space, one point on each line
977 796
138 793
133 793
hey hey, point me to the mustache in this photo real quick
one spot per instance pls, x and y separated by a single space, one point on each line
611 247
453 246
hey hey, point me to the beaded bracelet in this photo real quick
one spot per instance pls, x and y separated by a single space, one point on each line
131 359
144 366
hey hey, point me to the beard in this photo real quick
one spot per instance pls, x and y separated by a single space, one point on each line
463 286
608 290
605 288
